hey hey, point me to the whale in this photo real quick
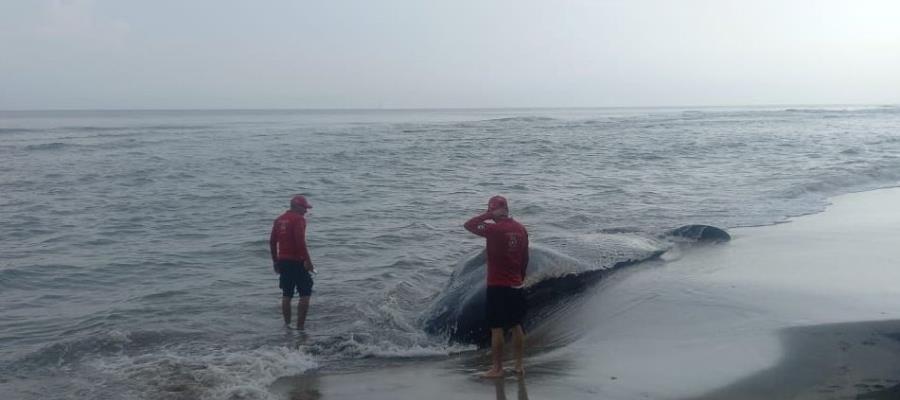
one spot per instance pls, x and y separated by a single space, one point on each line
553 275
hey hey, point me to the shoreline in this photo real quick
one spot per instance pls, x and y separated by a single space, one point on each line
776 313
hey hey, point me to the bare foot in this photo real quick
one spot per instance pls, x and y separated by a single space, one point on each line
520 371
493 374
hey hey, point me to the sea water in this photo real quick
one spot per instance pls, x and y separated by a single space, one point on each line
133 244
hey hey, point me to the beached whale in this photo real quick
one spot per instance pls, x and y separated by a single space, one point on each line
458 312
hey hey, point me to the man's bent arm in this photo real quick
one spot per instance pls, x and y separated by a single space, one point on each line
273 243
300 237
477 224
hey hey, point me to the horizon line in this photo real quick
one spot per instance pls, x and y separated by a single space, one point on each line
453 108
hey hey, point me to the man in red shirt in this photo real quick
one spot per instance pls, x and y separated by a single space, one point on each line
290 259
507 259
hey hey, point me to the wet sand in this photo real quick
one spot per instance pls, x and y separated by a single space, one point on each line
809 309
845 361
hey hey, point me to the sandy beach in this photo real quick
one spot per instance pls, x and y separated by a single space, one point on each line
806 309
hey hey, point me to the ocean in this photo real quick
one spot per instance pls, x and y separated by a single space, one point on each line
134 260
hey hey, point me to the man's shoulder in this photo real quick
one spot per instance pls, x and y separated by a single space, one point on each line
507 226
513 224
289 216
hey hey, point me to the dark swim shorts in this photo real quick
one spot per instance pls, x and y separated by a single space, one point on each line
505 306
294 276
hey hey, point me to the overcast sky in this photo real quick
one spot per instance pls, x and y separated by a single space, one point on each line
430 54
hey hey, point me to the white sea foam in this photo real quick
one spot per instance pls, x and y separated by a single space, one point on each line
219 374
388 349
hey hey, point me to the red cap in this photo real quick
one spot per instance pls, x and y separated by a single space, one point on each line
299 201
497 202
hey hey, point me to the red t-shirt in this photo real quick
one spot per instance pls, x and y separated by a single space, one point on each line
288 238
507 249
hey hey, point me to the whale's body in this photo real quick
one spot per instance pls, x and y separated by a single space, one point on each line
459 311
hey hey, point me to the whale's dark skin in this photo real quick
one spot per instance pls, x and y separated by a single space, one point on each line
459 311
702 233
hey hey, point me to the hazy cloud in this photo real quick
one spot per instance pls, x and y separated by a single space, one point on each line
76 20
465 53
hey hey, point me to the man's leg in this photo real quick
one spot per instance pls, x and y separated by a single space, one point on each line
519 347
302 308
286 309
496 370
287 291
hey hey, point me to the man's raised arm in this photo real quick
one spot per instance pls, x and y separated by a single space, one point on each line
478 224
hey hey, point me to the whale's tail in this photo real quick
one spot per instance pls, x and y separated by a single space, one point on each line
703 233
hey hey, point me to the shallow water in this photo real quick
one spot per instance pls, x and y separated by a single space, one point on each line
134 243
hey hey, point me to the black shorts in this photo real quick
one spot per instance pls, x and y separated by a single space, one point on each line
292 276
505 306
